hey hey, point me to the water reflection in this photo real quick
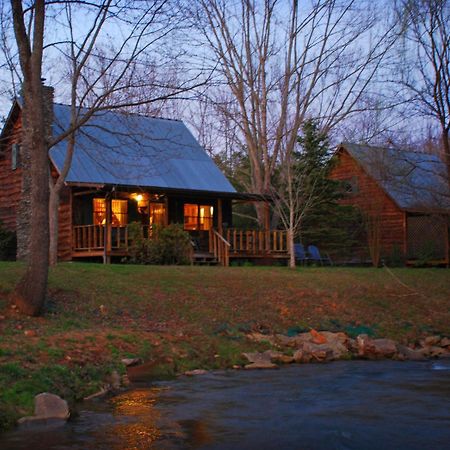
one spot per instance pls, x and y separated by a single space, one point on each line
142 432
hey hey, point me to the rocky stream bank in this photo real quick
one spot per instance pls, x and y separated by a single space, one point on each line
309 347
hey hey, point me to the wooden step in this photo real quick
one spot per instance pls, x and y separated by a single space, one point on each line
204 259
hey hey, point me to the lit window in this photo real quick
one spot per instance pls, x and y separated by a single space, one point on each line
198 217
157 213
119 212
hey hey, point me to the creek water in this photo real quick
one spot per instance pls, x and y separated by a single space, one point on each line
342 405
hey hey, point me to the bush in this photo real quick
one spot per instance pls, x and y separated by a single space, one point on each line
167 245
8 244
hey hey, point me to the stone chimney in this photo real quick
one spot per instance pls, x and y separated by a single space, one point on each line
23 219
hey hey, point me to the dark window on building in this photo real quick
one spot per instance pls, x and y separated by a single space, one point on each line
15 156
350 186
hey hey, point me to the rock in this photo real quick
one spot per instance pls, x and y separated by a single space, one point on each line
236 367
191 373
437 352
375 348
50 406
114 379
445 342
131 361
317 352
409 353
431 340
261 365
300 357
278 357
317 338
259 337
259 361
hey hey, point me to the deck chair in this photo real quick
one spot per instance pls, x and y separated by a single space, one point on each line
315 256
300 254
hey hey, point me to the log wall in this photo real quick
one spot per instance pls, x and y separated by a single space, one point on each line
10 180
372 200
10 193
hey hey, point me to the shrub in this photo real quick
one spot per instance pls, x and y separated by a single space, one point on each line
8 244
166 245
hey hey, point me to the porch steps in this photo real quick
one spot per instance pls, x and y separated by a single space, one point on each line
204 259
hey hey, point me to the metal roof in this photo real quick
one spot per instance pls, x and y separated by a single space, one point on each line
128 149
415 181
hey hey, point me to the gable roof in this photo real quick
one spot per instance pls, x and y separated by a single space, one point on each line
133 150
114 148
414 181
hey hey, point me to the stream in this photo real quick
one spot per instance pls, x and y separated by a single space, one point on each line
341 405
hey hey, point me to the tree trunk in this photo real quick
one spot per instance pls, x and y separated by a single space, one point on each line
31 290
446 147
54 225
290 237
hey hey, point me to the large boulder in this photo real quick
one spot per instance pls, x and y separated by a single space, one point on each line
48 407
375 348
409 353
321 346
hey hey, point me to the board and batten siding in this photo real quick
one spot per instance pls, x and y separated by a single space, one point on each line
371 199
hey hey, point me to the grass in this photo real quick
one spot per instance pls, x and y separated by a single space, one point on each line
182 318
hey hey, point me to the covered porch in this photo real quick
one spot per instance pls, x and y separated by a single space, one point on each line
101 222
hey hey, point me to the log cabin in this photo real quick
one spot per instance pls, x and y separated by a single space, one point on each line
133 168
404 195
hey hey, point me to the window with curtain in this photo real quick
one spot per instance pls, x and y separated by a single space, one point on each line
198 217
119 212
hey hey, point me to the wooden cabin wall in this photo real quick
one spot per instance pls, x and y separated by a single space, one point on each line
10 180
371 199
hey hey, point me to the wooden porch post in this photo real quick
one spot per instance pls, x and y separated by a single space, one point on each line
267 225
108 230
219 217
166 211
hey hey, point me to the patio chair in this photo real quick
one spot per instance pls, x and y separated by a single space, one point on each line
300 254
315 256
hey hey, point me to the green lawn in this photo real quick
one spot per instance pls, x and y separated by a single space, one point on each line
189 317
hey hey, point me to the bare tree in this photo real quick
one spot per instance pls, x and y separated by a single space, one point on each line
284 62
102 74
124 76
31 290
425 66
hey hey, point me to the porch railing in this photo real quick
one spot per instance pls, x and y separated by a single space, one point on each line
93 237
234 242
219 247
256 242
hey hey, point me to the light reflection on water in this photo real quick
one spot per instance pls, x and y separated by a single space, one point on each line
345 405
